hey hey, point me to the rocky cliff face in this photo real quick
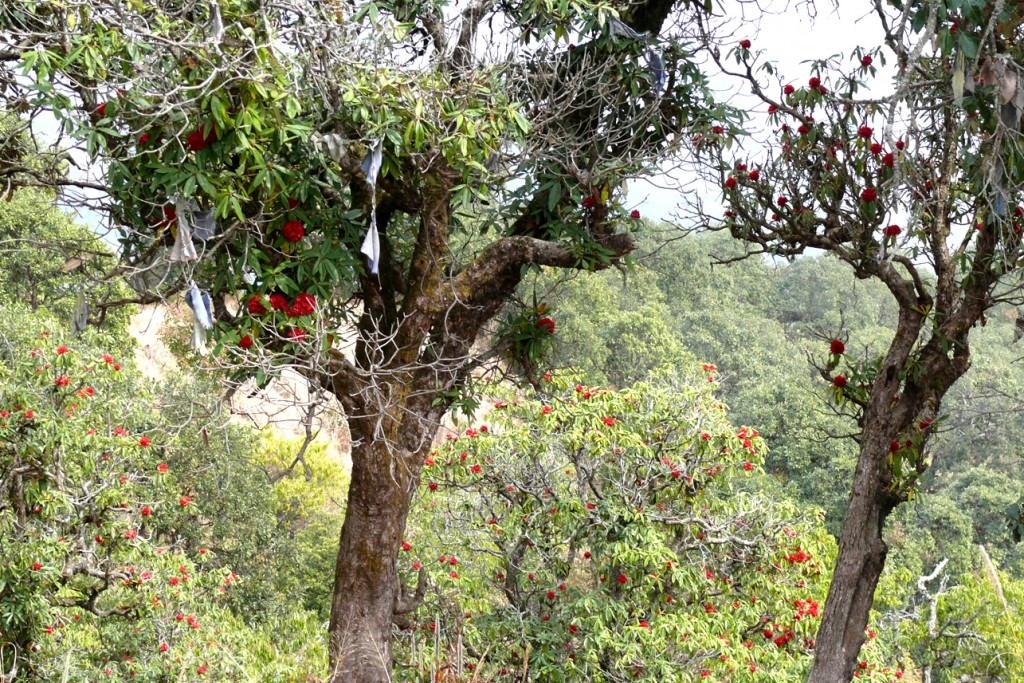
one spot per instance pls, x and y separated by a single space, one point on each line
283 406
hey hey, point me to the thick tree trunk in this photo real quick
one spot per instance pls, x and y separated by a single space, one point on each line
862 553
366 578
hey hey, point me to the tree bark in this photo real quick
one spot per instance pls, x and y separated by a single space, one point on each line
862 553
366 575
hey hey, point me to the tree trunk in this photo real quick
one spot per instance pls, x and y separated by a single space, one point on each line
862 553
366 577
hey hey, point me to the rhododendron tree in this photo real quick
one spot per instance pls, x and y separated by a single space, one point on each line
586 534
316 161
917 187
82 494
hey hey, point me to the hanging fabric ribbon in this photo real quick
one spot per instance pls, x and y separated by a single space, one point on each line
656 68
183 249
202 317
337 146
80 315
653 61
371 167
621 30
205 225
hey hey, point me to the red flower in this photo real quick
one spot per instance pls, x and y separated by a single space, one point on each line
868 195
145 511
256 306
292 203
184 501
278 302
754 175
62 349
635 214
304 304
551 595
894 447
837 347
865 132
102 110
789 90
839 381
196 141
717 130
865 61
622 579
814 82
745 44
143 139
730 183
803 129
892 231
608 421
546 324
900 145
62 380
475 469
293 231
888 160
589 203
162 467
876 148
245 342
36 567
296 335
781 201
145 441
164 647
748 466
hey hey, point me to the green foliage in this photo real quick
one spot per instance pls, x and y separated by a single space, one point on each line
47 260
591 534
120 526
84 489
977 631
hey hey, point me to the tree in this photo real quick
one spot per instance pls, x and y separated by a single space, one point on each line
918 189
587 534
312 128
88 582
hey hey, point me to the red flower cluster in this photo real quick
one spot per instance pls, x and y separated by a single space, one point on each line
799 556
304 304
293 231
546 324
839 381
198 139
865 132
837 347
256 306
865 61
745 44
868 195
892 231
